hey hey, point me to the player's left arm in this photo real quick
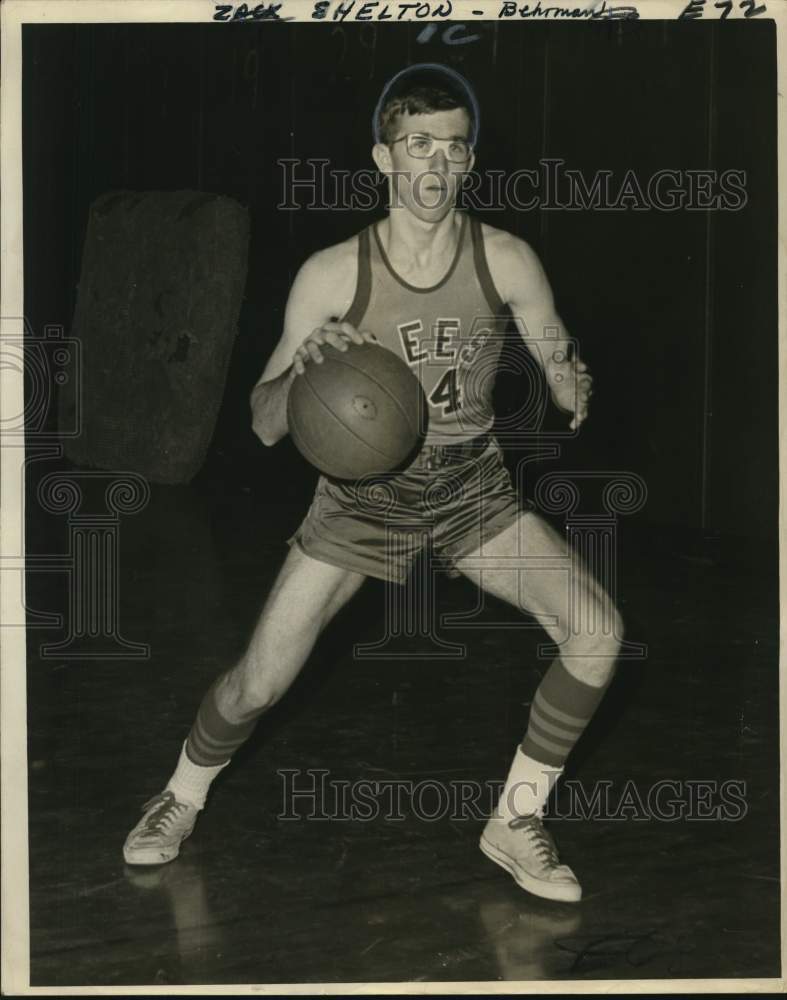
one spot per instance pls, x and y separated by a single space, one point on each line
523 285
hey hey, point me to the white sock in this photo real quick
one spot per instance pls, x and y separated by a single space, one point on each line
527 788
190 782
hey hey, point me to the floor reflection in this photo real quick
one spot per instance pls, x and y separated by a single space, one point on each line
198 936
524 933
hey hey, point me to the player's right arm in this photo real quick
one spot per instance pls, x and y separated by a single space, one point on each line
322 290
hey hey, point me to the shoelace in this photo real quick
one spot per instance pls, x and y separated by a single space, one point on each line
165 815
542 842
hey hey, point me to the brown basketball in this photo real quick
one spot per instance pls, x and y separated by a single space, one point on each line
362 411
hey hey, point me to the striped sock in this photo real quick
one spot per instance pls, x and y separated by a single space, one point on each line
213 739
190 783
527 788
561 710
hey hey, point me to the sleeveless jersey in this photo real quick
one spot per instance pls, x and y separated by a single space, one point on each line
449 334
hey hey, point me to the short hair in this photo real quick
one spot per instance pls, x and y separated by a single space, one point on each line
423 89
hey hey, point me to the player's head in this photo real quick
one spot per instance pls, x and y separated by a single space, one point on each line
425 128
424 89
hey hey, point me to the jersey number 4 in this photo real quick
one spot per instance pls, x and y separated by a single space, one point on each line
446 394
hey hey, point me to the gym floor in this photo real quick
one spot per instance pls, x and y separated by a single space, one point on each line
257 899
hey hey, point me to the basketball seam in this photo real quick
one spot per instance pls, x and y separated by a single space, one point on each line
357 437
382 386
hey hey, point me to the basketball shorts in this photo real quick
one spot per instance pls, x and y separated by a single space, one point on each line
378 525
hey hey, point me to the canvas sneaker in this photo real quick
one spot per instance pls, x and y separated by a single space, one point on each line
164 826
525 849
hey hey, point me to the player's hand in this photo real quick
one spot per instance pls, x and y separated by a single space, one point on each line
338 335
572 387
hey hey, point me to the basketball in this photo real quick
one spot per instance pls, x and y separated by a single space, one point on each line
359 412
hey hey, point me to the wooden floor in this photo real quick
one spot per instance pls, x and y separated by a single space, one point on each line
256 899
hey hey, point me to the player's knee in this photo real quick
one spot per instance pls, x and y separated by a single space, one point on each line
605 645
258 696
602 633
250 690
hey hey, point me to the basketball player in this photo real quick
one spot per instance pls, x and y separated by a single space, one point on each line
418 281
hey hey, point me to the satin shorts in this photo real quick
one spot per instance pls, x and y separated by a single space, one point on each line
380 524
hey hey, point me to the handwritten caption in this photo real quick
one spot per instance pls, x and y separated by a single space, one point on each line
698 8
380 10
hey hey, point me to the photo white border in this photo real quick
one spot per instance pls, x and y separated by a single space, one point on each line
15 966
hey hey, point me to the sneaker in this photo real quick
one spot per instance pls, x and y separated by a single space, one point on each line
525 849
157 837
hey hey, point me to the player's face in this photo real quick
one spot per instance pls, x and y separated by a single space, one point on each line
426 185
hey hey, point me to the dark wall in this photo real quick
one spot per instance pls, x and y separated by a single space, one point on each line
675 311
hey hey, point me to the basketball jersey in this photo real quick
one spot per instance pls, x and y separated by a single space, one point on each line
450 335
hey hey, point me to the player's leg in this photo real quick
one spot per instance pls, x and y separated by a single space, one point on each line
566 698
305 596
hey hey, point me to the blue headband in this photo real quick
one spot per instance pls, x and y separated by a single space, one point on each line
456 78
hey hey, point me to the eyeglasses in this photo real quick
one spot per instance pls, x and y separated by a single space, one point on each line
421 145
